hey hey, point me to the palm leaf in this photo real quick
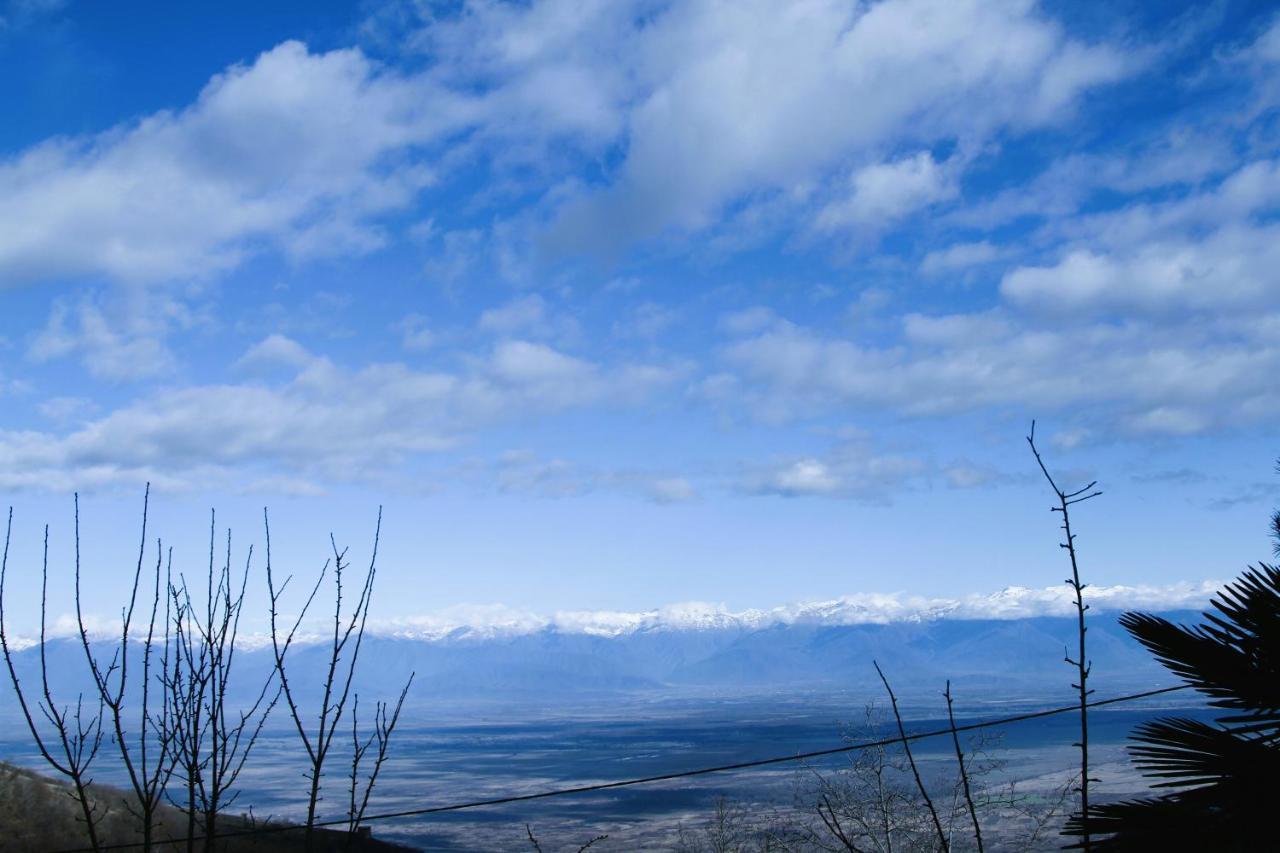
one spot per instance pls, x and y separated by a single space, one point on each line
1235 659
1222 776
1191 753
1192 821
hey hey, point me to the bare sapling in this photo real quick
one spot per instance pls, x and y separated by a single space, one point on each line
383 727
1081 662
75 736
343 654
214 737
915 771
964 772
147 753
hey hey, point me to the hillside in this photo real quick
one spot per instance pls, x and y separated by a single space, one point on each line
38 813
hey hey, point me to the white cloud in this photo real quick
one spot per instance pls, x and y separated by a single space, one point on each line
803 477
276 351
883 193
748 320
851 470
1155 317
1137 373
118 336
670 490
959 256
1232 269
324 421
517 315
415 334
298 148
734 98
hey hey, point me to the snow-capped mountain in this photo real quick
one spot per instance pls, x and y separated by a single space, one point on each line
1014 602
1009 643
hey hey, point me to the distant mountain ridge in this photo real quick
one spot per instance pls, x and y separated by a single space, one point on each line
1013 602
984 658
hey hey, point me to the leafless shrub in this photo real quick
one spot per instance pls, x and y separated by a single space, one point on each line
212 742
344 644
75 736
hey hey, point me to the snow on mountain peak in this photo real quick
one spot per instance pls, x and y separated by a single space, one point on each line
1012 602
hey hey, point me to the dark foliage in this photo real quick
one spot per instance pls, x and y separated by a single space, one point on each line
1220 777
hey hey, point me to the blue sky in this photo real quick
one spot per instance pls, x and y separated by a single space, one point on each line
615 304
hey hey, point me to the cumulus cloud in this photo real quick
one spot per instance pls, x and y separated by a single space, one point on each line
302 149
309 151
1232 269
883 193
325 420
738 98
1158 317
856 469
1147 380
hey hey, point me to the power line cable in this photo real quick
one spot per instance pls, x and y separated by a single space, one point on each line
666 777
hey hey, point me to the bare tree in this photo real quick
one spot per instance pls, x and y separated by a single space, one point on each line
1081 662
344 644
78 737
213 741
148 755
383 726
906 747
964 773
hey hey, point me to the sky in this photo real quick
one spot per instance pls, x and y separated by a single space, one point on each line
615 304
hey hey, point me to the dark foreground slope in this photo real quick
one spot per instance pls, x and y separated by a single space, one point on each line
38 813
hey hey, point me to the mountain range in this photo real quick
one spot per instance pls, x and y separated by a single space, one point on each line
695 651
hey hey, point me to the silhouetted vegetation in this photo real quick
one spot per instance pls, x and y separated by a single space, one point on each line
39 814
1220 777
1081 662
180 736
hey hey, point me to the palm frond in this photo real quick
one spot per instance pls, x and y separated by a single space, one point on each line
1220 777
1235 658
1189 753
1182 822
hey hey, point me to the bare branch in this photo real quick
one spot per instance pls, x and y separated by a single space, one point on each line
906 745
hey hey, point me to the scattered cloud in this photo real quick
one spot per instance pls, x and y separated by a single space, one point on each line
415 333
120 335
323 420
959 257
300 149
883 193
728 100
525 472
